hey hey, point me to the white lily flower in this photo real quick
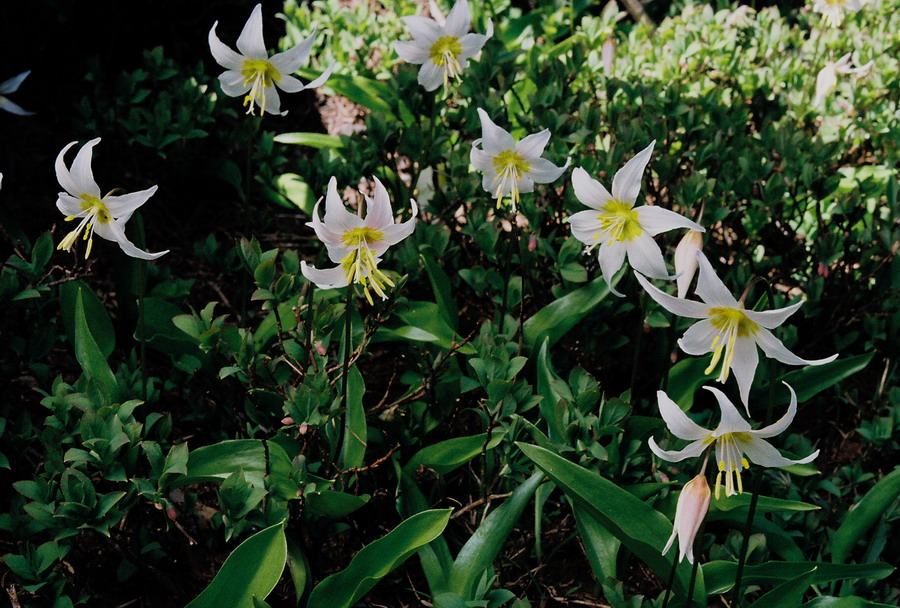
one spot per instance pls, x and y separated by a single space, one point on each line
254 73
728 330
11 86
512 168
733 438
617 228
686 263
826 80
104 216
357 244
693 503
444 49
833 10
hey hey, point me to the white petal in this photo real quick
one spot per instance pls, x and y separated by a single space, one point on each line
589 191
471 44
287 62
13 108
746 359
124 205
532 146
62 172
678 422
656 219
458 20
764 454
782 423
494 139
289 84
732 421
322 79
117 231
480 159
82 175
586 227
329 278
686 262
397 232
698 338
412 51
627 181
645 257
325 235
488 183
378 213
710 287
234 84
69 205
223 55
691 450
423 29
543 171
773 348
683 308
273 101
611 256
12 85
431 76
770 319
250 43
337 218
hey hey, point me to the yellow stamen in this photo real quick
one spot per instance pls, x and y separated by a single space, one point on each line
619 221
95 211
732 324
360 265
510 167
262 74
444 53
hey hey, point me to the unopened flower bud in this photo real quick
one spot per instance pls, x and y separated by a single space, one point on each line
287 420
686 262
608 53
532 243
689 513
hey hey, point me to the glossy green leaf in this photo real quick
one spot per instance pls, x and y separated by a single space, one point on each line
89 355
252 570
440 285
851 601
813 379
360 90
685 379
295 189
600 546
423 323
218 461
640 527
450 454
355 428
377 559
333 504
485 544
553 389
864 515
94 311
765 504
313 140
557 318
720 575
788 594
298 566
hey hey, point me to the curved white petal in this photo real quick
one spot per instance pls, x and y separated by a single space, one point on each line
411 51
710 287
698 338
223 55
471 44
488 183
117 231
289 84
656 219
273 101
397 232
378 213
691 450
645 257
494 139
683 308
233 83
586 227
678 422
287 62
732 421
13 108
764 454
770 319
322 79
69 205
431 76
337 218
627 181
532 146
611 256
328 278
773 348
423 29
458 20
250 43
542 171
782 423
12 85
589 191
126 204
480 159
81 172
686 262
62 172
322 231
746 359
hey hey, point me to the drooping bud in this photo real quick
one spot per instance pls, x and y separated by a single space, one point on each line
608 54
689 514
686 262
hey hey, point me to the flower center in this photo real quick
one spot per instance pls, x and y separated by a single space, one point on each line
95 212
444 53
361 265
731 462
510 166
262 74
619 221
732 324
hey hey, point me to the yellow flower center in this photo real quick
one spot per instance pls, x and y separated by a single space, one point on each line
732 324
95 212
620 221
510 167
731 462
444 53
360 265
262 74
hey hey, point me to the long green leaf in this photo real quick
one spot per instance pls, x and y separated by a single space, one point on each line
252 570
377 559
96 315
850 601
788 594
440 285
89 355
813 379
358 89
313 140
355 428
864 515
601 547
218 461
547 383
485 544
640 527
720 575
445 456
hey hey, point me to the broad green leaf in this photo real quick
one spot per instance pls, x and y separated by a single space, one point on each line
333 504
765 504
252 570
94 311
358 89
640 527
685 378
295 189
298 566
547 383
719 575
485 544
557 318
445 456
355 429
813 379
440 284
423 323
313 140
600 546
378 559
788 594
218 461
89 355
851 601
864 515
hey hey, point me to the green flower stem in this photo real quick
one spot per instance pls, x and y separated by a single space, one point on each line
670 582
637 345
347 313
142 288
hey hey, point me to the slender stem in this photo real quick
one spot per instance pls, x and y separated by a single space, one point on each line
347 313
745 543
310 319
693 583
519 235
637 345
142 288
670 582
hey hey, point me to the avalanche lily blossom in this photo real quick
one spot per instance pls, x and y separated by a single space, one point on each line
617 228
11 86
728 330
357 244
826 80
254 74
104 216
833 10
693 503
733 439
512 168
443 50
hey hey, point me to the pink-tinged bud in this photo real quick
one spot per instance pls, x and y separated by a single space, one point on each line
608 54
532 243
287 420
303 428
822 270
686 262
320 349
171 513
689 513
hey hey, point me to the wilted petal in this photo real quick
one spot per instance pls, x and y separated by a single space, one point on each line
678 422
250 42
627 181
589 191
